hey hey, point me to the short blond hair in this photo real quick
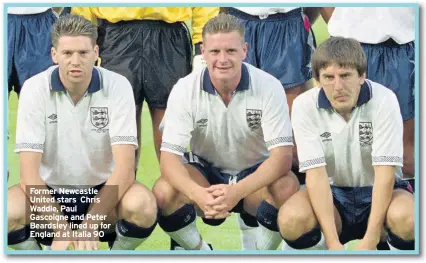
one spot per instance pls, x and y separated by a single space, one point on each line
224 23
73 25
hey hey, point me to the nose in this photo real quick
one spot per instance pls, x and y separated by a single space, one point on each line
75 59
338 83
223 57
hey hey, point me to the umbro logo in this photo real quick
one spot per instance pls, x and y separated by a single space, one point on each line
187 218
326 136
53 118
202 123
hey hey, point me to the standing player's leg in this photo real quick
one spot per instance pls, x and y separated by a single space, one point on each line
157 115
119 47
393 66
33 44
12 26
167 57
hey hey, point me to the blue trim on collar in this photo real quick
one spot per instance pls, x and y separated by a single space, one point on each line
365 94
94 85
242 85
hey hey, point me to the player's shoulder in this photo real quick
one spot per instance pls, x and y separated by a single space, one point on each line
262 80
308 99
190 84
39 83
111 79
379 93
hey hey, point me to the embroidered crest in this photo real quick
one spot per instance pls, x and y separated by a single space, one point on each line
254 118
99 117
365 133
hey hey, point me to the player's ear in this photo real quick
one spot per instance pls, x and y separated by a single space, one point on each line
96 52
362 78
53 54
245 47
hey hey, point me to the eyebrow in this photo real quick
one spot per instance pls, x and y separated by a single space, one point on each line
70 50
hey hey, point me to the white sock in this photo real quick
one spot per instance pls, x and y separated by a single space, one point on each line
126 243
248 235
189 237
47 248
28 244
319 246
205 246
267 239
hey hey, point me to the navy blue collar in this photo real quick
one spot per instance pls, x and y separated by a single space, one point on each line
56 83
207 84
365 94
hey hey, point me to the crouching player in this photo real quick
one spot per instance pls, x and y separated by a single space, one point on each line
349 138
237 124
76 129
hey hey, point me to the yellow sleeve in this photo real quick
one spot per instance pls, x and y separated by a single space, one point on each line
200 16
84 12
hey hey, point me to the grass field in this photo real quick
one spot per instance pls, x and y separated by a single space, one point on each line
224 237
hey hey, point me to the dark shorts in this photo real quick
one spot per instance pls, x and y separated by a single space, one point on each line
81 209
300 176
354 205
412 183
214 176
152 55
28 46
281 44
392 65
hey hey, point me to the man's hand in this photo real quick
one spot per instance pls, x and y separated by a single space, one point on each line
366 244
198 62
202 197
86 244
78 240
61 245
225 198
336 246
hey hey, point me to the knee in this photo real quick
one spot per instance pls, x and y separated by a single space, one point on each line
284 188
293 222
140 209
164 193
401 222
16 208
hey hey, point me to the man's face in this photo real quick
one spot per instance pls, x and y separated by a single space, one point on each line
341 86
75 56
224 54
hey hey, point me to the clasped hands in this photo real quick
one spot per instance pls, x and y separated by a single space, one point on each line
216 201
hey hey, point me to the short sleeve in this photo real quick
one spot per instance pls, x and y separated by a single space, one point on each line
387 148
31 118
309 149
123 113
177 122
276 125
